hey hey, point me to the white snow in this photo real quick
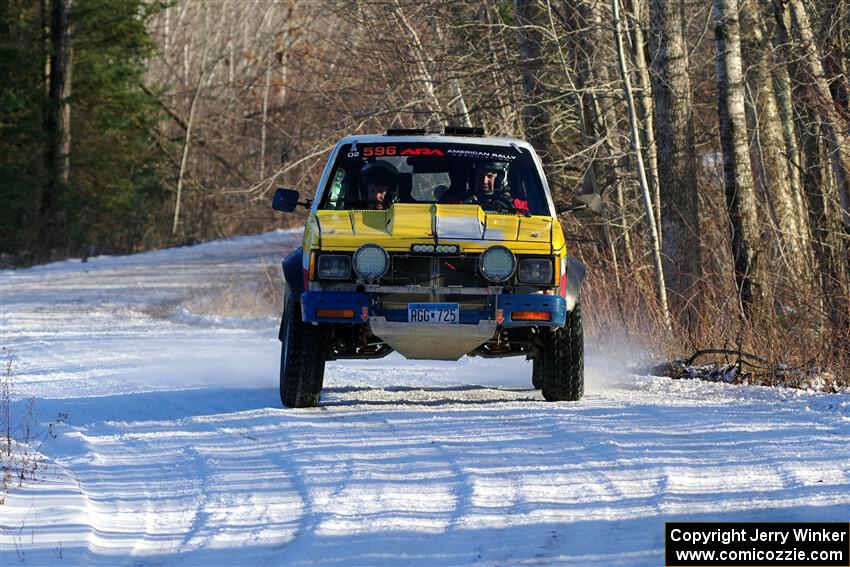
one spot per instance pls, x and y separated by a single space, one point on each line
176 450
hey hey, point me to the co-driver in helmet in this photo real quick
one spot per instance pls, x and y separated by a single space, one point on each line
378 181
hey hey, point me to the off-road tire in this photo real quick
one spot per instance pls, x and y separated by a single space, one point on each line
537 371
563 361
302 357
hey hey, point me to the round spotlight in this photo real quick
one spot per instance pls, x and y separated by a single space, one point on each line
371 261
497 263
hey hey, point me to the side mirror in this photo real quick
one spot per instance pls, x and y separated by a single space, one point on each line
591 202
584 205
285 200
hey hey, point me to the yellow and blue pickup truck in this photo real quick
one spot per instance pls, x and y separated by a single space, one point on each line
436 246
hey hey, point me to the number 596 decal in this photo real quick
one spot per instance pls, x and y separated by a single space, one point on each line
379 151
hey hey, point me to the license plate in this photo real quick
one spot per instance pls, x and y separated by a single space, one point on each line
433 313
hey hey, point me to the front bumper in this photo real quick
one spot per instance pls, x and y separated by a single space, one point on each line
503 310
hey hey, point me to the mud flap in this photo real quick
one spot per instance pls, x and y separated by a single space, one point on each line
293 273
575 276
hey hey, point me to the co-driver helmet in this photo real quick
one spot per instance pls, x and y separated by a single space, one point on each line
379 173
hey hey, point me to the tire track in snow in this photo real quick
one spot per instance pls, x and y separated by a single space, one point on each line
423 472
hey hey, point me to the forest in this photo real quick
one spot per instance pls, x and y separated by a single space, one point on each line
717 133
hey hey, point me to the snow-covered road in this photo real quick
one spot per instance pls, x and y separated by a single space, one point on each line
176 450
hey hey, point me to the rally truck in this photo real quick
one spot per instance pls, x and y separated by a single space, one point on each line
434 245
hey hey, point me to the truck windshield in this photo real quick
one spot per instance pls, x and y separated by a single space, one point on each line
378 175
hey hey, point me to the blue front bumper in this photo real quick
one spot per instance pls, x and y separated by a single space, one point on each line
500 308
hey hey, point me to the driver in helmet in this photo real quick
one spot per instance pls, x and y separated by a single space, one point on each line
378 181
490 191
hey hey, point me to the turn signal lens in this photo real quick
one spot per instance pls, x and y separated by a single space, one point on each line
557 271
531 316
313 266
335 313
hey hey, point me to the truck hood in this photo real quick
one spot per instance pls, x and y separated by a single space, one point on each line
405 224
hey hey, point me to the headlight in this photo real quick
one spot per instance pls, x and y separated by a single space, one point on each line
334 267
371 261
535 270
497 263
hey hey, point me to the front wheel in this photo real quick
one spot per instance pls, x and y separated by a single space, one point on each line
302 357
563 361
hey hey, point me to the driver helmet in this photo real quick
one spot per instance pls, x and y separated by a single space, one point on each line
484 168
379 173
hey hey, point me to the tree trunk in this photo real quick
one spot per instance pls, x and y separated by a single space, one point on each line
536 119
827 251
611 128
458 101
660 290
58 124
645 100
266 87
677 178
793 233
784 96
836 126
747 248
432 105
590 122
187 141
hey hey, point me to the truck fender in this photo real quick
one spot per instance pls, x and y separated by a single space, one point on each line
575 276
293 273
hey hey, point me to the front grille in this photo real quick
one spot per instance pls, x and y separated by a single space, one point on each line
409 269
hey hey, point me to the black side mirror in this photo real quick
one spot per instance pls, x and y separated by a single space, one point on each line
584 205
591 202
285 200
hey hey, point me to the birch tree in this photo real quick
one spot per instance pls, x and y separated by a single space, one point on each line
649 216
836 127
777 179
747 249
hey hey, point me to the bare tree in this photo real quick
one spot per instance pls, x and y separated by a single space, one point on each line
647 106
777 181
747 248
836 127
676 154
655 244
536 119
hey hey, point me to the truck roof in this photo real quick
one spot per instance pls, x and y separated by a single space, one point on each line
436 137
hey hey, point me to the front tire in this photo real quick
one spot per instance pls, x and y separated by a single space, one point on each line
302 357
563 361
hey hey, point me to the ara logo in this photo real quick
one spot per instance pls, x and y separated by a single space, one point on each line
422 152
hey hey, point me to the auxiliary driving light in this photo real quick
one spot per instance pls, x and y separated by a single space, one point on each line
371 261
431 249
497 263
